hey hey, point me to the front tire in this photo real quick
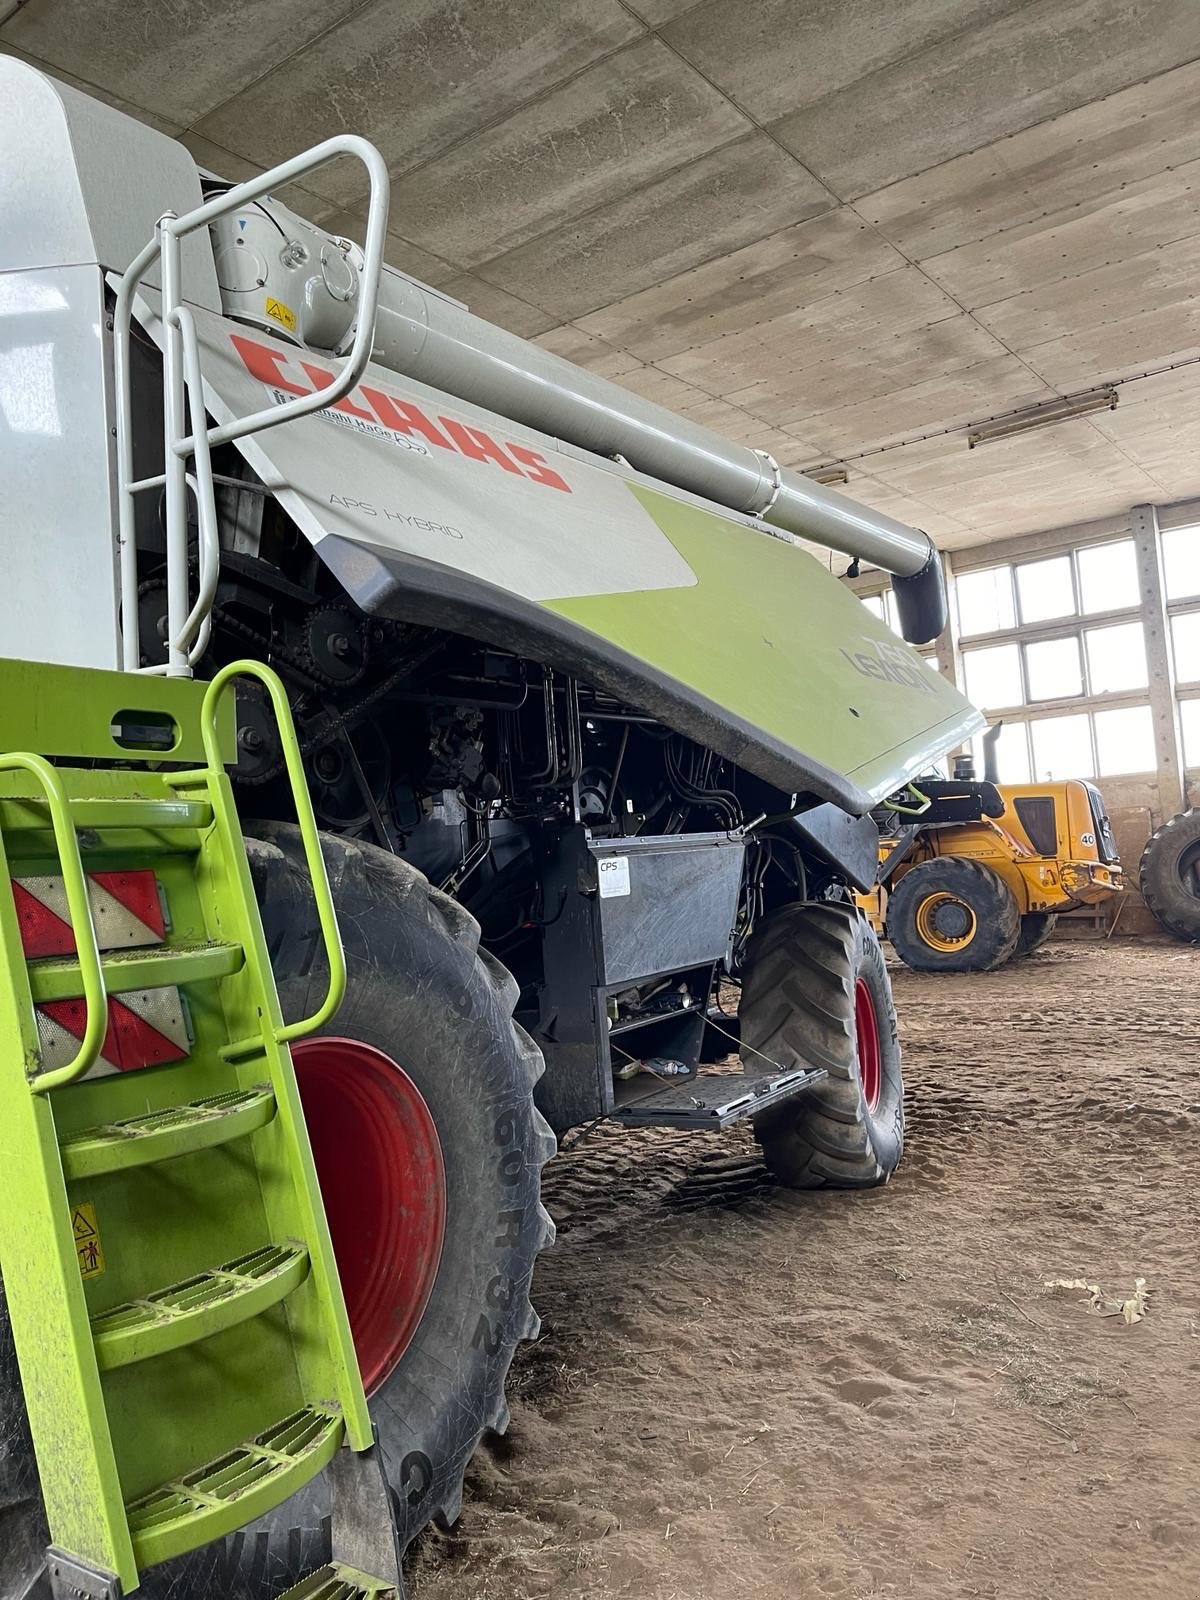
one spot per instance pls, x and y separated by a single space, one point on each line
952 915
422 992
815 992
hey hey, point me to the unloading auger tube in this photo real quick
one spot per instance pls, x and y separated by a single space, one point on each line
434 340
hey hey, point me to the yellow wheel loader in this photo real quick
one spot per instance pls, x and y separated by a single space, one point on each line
973 873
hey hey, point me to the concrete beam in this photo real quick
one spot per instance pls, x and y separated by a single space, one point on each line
1163 707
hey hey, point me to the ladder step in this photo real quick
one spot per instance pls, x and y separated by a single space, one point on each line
162 967
152 815
338 1582
162 1135
198 1307
713 1100
245 1483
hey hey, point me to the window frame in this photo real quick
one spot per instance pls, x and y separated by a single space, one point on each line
1076 626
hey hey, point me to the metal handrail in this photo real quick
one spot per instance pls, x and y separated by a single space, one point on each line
79 911
309 833
181 373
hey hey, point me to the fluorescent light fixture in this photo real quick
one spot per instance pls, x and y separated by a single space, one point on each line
828 475
1043 416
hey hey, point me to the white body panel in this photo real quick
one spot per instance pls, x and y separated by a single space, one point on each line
58 571
85 183
344 471
83 186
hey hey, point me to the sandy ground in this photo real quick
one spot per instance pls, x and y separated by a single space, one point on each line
745 1394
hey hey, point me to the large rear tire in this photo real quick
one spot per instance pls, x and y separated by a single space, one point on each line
423 994
1169 875
952 915
1036 928
815 992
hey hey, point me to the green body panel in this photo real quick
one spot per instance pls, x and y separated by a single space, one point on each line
63 711
44 1291
767 633
178 1372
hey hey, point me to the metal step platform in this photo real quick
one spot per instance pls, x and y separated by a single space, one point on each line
185 1354
712 1100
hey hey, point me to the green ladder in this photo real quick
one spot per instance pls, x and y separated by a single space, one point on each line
185 1354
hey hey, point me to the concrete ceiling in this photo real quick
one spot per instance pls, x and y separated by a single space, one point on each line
836 229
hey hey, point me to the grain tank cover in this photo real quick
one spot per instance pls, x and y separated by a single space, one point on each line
434 511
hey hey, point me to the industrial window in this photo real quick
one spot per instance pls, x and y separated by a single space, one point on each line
1062 747
1054 668
1085 582
1181 573
993 676
1116 658
1055 647
883 606
1071 691
1124 741
1012 753
1189 717
1181 562
1108 578
985 600
1046 589
1185 641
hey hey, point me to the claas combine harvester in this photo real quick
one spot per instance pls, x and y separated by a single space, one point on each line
328 606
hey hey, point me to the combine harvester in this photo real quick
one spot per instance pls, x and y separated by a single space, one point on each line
581 728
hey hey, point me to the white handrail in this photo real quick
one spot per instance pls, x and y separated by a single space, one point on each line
188 625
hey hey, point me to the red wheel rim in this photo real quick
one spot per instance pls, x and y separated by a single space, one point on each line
866 1033
379 1162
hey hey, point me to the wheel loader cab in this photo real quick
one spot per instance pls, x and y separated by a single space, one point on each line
983 871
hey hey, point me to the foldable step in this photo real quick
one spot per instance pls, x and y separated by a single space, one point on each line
338 1582
160 967
713 1099
198 1307
151 827
162 1135
245 1483
153 815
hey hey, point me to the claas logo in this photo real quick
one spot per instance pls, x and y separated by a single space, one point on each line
274 368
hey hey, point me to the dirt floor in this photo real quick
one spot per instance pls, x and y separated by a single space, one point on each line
743 1392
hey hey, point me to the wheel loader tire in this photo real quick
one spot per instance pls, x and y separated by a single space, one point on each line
1036 928
815 992
952 915
1169 875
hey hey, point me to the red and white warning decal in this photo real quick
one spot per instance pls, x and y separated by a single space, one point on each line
145 1029
126 912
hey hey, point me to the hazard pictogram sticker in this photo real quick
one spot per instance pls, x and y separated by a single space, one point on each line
87 1239
145 1028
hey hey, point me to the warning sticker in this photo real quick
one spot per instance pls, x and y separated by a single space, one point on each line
87 1239
614 876
283 315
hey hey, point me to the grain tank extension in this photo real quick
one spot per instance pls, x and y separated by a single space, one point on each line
328 605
